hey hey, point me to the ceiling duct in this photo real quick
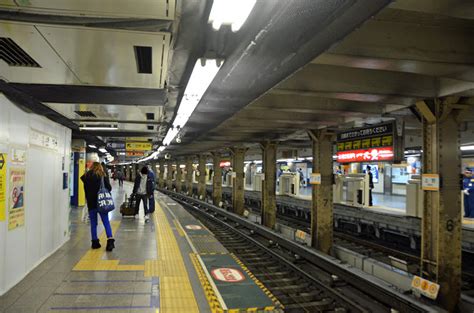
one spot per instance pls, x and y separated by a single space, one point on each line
143 58
14 55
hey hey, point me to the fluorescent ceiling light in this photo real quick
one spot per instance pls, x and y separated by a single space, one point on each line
92 146
103 150
98 128
467 148
203 74
230 12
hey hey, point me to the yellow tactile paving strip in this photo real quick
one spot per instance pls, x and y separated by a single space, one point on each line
92 260
176 293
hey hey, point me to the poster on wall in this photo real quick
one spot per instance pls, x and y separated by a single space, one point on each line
16 205
3 185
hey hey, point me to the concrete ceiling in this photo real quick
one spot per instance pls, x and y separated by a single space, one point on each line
410 50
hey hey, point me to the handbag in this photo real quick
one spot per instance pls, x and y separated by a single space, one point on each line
105 202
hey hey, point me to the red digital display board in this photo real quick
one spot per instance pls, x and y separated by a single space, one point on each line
366 155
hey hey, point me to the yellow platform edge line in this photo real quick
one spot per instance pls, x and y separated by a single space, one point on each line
176 293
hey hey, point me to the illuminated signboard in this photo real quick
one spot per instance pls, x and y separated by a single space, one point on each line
373 143
224 164
365 155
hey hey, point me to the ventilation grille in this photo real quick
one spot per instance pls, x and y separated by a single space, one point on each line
143 58
150 116
85 114
150 127
13 55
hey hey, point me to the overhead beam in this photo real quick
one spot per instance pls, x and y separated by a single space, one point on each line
335 79
93 94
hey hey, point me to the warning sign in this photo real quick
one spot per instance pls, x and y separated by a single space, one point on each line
16 207
3 185
230 275
430 182
193 227
425 287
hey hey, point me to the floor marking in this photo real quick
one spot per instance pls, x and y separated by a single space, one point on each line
92 260
176 293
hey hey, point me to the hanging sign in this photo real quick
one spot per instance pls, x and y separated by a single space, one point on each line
366 155
3 185
16 205
138 146
374 143
224 164
115 145
135 153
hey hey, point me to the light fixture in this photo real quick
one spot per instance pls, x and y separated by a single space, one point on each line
98 127
92 146
467 148
203 74
230 12
103 150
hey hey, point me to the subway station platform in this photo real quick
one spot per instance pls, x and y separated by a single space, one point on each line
171 264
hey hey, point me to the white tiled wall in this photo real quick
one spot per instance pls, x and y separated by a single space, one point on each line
46 203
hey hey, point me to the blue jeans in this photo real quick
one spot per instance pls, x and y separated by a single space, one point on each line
94 221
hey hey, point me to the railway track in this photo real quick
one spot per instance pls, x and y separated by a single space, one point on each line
301 281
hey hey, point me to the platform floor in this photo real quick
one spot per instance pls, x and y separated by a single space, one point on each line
149 271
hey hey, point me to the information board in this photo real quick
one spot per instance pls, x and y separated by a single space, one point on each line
138 146
374 143
3 185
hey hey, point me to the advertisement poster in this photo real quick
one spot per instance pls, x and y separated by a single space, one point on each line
3 185
16 206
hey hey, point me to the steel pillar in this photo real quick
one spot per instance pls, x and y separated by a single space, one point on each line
441 221
238 192
217 179
202 177
322 197
161 174
269 184
134 171
169 175
178 177
189 175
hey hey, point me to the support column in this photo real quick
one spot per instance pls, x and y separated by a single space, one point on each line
269 184
238 192
189 176
178 176
217 179
441 221
161 179
169 175
322 197
202 177
134 171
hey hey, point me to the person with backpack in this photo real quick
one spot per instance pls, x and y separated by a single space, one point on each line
92 182
143 188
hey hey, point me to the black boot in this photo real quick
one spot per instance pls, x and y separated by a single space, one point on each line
110 244
96 244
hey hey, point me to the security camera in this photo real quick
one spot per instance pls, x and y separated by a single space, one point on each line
167 156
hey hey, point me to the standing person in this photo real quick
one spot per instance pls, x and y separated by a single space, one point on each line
300 171
144 189
467 186
371 183
119 176
152 178
92 181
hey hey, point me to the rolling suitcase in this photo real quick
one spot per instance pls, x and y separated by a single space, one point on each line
129 207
